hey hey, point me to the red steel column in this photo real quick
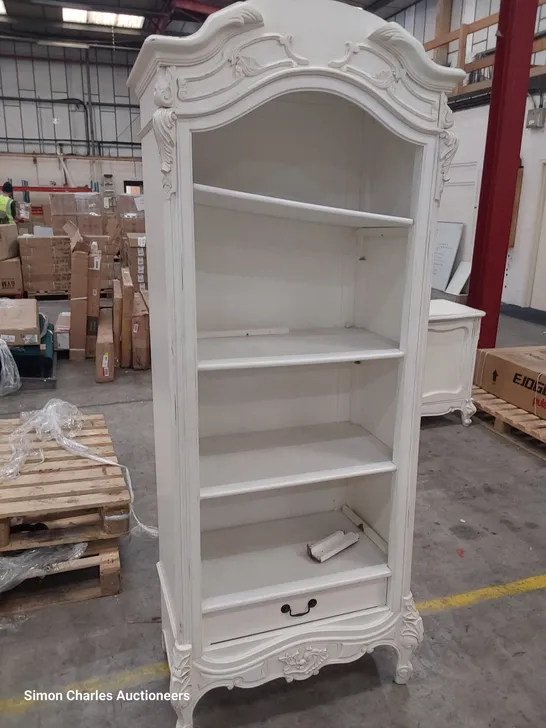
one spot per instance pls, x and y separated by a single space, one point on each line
502 159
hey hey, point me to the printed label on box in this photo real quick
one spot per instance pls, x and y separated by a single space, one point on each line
136 327
30 339
141 241
140 278
139 203
96 262
105 368
141 252
141 268
7 337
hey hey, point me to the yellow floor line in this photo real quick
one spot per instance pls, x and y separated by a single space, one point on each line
458 601
159 670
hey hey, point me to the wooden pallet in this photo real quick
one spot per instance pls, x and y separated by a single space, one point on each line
68 581
517 425
65 498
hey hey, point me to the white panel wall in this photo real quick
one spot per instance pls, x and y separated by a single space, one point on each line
461 197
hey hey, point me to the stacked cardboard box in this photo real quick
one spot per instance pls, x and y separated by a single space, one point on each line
83 209
108 249
130 212
45 263
516 375
11 282
134 257
19 323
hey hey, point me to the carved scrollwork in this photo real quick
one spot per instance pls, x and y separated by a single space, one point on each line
449 143
246 16
164 126
303 663
411 632
164 87
445 117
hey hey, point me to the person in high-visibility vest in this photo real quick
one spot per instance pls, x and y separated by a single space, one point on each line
7 203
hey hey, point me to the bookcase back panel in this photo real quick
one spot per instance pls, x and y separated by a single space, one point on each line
256 271
273 505
369 498
268 399
311 147
380 282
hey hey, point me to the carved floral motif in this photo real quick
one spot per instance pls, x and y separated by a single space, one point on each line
449 144
303 662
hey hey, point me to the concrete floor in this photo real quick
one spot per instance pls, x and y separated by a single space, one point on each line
479 667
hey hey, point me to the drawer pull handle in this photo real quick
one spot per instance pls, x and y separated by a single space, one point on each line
286 608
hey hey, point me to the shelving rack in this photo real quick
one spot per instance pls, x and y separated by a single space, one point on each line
293 170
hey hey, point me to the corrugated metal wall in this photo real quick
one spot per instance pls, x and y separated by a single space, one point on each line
72 97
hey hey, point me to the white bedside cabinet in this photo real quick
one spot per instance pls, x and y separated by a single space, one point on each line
453 332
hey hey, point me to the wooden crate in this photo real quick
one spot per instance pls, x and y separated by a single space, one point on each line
515 424
65 498
95 574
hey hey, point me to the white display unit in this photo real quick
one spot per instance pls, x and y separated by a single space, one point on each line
452 342
294 156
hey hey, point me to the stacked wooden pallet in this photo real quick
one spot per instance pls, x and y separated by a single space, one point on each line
515 424
64 499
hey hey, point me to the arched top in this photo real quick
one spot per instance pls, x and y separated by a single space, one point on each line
246 46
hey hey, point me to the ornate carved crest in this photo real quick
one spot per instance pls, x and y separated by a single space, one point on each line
166 89
303 662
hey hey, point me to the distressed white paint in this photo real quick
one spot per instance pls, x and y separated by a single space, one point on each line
262 438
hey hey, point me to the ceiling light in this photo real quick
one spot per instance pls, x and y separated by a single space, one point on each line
111 20
73 15
2 8
95 18
62 44
130 21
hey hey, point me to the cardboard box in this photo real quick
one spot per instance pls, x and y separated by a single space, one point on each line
9 247
93 299
132 224
59 221
61 332
78 305
90 224
117 318
104 357
128 292
11 279
140 333
19 324
516 374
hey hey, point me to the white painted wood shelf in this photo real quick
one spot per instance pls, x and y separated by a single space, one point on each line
259 461
253 563
321 346
293 209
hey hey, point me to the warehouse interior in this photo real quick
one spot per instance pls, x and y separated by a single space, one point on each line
91 182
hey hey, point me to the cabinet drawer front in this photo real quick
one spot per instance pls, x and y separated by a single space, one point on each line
289 611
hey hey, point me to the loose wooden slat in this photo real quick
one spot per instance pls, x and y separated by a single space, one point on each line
95 471
49 455
85 418
108 485
44 505
60 466
101 440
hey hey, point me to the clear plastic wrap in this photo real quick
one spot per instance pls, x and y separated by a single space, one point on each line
60 421
10 381
35 562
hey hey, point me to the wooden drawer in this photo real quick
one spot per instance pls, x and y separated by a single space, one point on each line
252 618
